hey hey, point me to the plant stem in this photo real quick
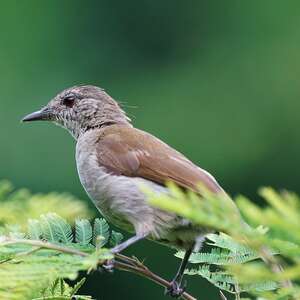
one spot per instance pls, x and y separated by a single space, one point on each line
126 263
43 245
145 272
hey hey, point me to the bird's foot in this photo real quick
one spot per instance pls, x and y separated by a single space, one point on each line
108 266
175 289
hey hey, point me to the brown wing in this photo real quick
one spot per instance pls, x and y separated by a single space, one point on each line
134 153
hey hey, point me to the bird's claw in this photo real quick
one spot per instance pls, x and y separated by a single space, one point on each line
108 266
175 289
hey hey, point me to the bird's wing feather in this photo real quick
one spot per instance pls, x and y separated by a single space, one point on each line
134 153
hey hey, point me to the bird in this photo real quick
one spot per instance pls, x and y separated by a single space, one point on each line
114 159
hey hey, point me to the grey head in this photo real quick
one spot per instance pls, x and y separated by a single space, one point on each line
81 108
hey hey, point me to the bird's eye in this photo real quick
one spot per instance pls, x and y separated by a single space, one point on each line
69 101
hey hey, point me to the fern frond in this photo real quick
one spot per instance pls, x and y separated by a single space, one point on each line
227 282
32 272
34 229
224 241
101 232
116 238
220 279
84 232
218 257
60 290
77 286
56 229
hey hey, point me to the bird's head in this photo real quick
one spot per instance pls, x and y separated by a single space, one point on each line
81 108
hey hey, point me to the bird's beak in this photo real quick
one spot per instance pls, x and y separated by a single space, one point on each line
40 115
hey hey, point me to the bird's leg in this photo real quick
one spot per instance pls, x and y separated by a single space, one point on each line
119 248
109 265
176 289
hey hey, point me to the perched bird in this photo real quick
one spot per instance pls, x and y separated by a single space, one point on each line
114 160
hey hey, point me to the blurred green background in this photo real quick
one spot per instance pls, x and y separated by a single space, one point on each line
218 80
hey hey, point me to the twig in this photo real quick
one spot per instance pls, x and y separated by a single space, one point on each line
42 245
145 272
126 259
125 264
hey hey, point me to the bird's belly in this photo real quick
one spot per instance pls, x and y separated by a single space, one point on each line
118 198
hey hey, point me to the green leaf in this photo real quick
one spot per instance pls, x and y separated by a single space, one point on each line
56 229
84 232
77 286
101 232
116 238
34 229
227 282
220 279
218 257
224 241
30 274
